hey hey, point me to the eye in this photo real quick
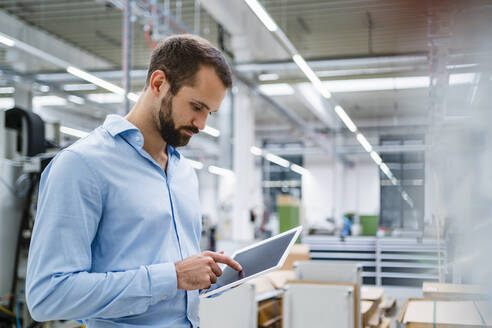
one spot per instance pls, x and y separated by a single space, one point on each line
196 108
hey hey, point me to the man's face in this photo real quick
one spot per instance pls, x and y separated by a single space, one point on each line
186 113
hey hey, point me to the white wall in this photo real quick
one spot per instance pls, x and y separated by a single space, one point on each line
317 189
329 191
361 192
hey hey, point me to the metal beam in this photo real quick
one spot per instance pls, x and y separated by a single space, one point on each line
15 76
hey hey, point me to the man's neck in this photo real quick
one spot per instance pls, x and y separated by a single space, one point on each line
153 142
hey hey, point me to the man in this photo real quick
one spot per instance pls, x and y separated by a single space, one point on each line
116 236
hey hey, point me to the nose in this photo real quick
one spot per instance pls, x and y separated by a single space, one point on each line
200 122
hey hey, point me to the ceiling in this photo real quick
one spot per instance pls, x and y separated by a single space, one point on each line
350 40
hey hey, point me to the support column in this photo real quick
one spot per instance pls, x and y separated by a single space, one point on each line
242 228
23 96
338 183
225 126
127 52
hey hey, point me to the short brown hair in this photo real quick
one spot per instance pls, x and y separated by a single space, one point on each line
180 58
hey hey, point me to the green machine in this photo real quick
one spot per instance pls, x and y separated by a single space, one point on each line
288 213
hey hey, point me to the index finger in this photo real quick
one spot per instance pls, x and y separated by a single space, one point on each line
221 258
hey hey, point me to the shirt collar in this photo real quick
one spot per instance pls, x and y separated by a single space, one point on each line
116 124
173 152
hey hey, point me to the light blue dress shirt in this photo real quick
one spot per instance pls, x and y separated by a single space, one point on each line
110 225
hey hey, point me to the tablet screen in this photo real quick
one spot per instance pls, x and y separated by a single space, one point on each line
255 260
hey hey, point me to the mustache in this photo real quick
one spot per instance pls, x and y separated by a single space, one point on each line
193 129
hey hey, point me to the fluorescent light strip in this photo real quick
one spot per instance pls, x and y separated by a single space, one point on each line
311 75
70 69
277 89
73 132
363 141
262 15
376 158
256 151
386 170
44 88
76 99
220 171
7 90
79 87
94 79
299 169
345 118
277 160
6 40
211 131
11 42
195 164
268 77
132 96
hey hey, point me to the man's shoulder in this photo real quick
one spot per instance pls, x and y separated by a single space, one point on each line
95 145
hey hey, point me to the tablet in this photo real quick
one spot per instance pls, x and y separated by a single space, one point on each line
257 259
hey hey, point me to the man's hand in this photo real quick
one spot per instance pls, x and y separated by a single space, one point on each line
201 270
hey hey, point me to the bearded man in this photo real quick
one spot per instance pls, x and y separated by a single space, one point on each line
116 240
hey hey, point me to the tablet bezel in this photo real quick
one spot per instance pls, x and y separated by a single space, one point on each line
298 230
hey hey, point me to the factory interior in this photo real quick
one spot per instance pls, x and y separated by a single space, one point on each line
365 122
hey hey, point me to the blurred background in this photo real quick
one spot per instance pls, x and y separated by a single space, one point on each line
365 121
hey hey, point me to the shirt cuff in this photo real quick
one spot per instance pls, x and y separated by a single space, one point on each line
163 281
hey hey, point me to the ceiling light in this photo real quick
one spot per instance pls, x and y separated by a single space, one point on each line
256 151
195 164
311 75
73 132
268 77
7 90
262 15
44 88
6 103
6 40
462 78
220 171
376 158
391 83
80 87
76 99
277 89
277 160
299 169
132 96
105 98
363 141
94 79
386 170
40 101
211 131
345 118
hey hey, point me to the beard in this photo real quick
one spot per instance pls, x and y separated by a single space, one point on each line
172 136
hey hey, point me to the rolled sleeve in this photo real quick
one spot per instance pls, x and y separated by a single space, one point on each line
163 281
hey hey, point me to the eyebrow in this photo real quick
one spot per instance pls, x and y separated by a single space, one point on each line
201 104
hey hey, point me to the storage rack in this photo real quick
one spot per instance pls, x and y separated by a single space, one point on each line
385 261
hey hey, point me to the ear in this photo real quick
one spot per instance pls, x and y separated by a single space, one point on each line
158 83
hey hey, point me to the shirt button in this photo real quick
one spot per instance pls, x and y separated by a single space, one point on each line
137 139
